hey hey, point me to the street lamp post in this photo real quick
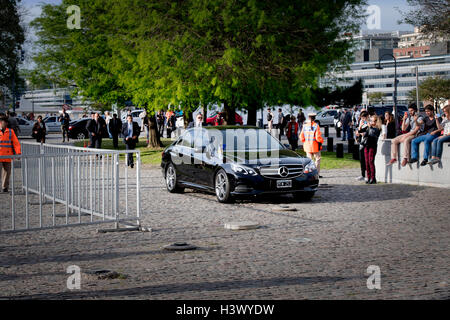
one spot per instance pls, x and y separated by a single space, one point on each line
416 70
379 67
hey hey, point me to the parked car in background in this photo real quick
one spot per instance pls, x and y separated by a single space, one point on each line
135 114
211 120
326 118
401 109
25 127
52 123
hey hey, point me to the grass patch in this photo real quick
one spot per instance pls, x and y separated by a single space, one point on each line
151 156
330 162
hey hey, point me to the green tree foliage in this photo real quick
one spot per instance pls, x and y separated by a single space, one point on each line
432 89
11 40
376 97
242 54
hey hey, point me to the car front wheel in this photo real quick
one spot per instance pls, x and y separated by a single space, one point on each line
171 180
222 187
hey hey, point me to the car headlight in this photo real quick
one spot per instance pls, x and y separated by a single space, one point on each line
310 167
243 170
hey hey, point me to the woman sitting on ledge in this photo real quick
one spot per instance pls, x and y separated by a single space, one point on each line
438 144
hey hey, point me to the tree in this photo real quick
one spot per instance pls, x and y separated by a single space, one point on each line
239 54
78 56
434 89
376 97
11 40
431 15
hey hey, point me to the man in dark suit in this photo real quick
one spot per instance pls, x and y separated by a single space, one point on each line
115 128
130 132
95 129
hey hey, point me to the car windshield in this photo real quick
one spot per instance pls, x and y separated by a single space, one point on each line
239 139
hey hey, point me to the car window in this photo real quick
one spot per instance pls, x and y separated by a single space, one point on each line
21 122
52 119
136 114
201 140
186 141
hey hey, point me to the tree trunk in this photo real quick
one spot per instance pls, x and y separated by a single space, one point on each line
230 118
188 117
154 138
252 115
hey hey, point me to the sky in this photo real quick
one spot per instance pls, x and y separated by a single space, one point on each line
389 15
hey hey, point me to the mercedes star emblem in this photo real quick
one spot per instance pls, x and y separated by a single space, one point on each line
283 172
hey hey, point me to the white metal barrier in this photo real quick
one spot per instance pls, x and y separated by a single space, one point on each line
59 186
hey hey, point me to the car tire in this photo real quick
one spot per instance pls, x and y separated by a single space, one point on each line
222 187
305 196
81 136
172 180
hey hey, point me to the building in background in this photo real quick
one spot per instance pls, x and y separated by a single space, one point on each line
375 80
411 49
49 101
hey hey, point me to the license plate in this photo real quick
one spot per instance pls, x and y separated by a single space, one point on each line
284 184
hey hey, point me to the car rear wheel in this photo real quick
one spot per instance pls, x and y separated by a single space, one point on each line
171 180
222 187
81 136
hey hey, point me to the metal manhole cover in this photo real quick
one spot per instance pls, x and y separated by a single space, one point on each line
180 246
284 208
243 225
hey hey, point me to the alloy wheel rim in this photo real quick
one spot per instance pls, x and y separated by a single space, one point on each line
170 178
221 186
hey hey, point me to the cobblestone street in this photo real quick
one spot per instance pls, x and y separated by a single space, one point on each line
320 251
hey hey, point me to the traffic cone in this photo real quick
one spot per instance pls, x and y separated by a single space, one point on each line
85 144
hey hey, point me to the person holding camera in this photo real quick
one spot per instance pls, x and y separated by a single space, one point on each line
312 140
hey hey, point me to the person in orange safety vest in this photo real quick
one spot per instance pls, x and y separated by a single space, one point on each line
9 145
312 140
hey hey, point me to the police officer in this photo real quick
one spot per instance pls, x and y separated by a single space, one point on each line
312 140
9 145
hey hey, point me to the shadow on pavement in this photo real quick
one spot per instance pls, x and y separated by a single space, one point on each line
183 287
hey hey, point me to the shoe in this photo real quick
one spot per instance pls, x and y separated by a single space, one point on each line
424 163
390 163
404 162
320 177
5 190
132 166
413 161
367 181
373 181
434 161
361 178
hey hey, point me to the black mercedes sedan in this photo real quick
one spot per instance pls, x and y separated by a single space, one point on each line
236 161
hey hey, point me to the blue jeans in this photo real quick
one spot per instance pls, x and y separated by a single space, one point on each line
346 130
427 139
438 144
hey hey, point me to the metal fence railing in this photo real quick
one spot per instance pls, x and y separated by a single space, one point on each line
58 186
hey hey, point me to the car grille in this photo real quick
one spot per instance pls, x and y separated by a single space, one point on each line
273 172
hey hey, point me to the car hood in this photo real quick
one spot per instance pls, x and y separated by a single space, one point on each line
254 159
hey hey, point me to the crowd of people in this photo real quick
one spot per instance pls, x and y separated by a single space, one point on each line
366 127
